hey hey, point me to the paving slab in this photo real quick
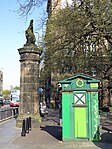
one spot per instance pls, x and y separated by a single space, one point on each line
8 131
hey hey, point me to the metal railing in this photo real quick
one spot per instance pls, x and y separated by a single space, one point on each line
7 113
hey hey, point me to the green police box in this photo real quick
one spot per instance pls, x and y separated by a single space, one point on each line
80 113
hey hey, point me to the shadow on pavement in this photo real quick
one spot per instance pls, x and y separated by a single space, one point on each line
106 137
105 142
55 131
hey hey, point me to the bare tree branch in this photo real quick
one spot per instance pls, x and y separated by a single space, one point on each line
28 6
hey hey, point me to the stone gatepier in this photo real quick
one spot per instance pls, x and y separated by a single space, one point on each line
29 73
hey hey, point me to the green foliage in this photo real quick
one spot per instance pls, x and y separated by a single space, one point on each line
6 94
78 39
16 87
40 49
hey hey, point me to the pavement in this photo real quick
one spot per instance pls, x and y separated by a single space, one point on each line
48 136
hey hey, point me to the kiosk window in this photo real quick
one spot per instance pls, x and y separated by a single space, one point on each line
79 99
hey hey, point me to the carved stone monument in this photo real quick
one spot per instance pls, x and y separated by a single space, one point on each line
30 37
29 73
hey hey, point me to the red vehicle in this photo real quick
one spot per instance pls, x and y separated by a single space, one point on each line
14 102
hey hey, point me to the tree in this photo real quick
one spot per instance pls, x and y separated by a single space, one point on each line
6 94
16 87
78 38
28 6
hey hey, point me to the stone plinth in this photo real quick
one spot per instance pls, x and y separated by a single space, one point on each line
29 71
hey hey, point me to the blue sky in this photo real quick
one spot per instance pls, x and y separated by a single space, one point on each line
12 37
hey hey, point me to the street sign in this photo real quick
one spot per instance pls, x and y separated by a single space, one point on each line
40 90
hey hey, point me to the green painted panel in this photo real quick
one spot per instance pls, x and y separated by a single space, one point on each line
80 122
94 85
95 117
71 116
89 116
79 84
65 115
66 87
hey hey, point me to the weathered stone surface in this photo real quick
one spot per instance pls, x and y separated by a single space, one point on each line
29 59
30 37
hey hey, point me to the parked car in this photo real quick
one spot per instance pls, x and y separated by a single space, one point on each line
14 102
6 102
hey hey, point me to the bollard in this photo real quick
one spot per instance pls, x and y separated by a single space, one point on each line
23 133
17 111
27 125
14 113
30 123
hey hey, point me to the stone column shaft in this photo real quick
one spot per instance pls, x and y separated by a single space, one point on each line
29 59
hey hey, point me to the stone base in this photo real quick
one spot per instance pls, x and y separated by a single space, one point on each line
35 120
